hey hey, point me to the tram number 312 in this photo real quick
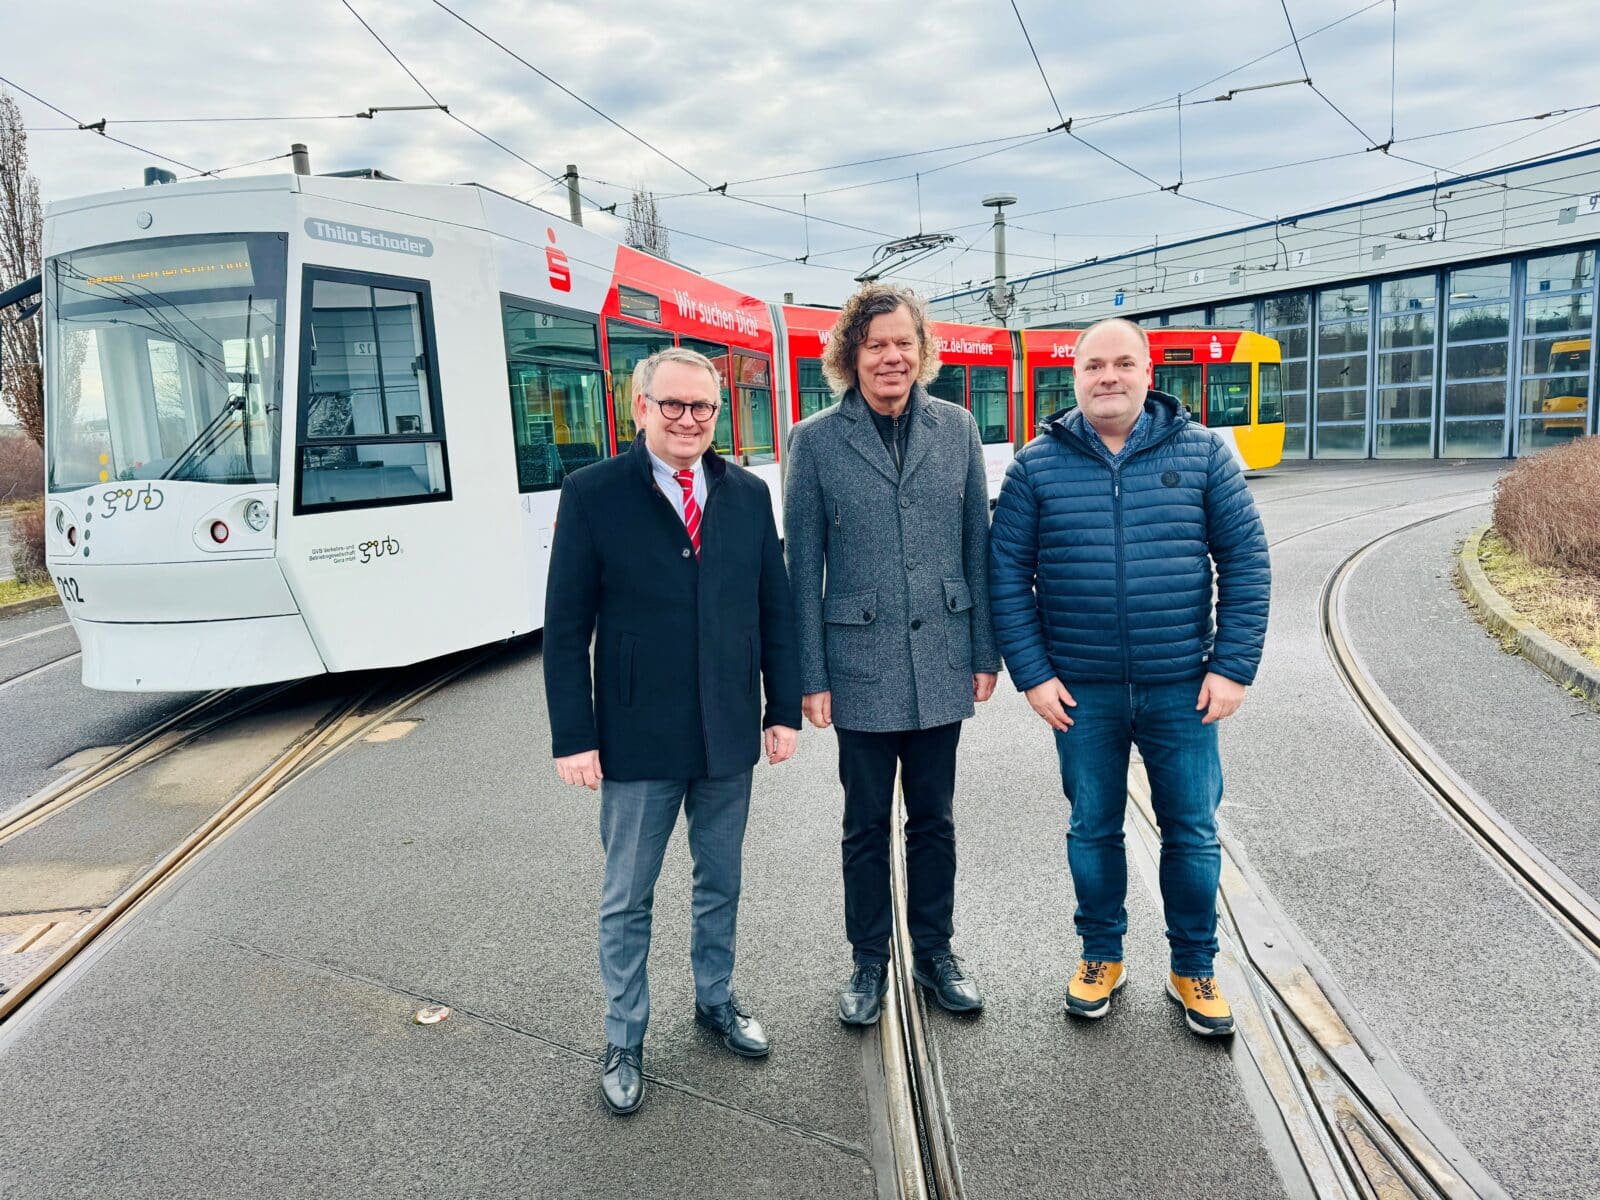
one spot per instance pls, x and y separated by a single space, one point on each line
69 589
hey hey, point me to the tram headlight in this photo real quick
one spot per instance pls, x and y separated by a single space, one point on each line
72 535
61 520
256 515
219 532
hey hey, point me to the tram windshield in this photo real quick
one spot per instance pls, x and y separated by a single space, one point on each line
165 361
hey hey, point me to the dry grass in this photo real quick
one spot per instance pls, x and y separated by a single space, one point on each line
14 591
1547 508
1563 603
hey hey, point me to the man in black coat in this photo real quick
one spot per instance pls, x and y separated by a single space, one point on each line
667 559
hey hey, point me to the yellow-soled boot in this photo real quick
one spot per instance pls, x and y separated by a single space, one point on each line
1204 1009
1089 993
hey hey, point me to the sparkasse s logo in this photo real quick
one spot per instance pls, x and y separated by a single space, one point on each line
556 260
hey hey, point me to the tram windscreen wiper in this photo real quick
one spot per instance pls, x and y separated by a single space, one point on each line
207 440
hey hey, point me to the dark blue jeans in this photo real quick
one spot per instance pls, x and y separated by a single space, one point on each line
1180 757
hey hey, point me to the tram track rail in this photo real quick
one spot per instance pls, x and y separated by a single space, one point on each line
921 1131
1354 1135
1573 908
165 736
369 705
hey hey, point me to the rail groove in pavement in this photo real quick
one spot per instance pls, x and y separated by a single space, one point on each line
1353 1134
920 1127
367 705
1572 907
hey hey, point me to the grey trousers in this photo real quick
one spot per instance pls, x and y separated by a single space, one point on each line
636 822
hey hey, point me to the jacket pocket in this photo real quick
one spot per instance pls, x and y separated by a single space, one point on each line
848 630
958 623
625 669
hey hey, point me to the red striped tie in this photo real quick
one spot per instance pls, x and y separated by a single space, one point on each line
691 510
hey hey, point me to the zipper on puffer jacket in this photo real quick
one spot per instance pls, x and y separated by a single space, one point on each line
1122 581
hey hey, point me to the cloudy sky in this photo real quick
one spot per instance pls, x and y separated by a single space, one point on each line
946 94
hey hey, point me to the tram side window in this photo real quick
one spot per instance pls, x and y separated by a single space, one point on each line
989 404
629 346
1228 394
950 384
755 409
1052 391
1271 402
718 354
370 426
557 394
815 394
1183 384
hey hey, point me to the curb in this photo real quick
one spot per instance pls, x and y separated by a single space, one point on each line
28 606
1562 663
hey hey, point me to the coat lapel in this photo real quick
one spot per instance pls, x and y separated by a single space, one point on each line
922 433
864 437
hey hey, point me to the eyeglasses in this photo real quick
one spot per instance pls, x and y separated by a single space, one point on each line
672 410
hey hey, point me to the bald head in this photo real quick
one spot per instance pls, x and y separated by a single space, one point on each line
1111 375
1122 323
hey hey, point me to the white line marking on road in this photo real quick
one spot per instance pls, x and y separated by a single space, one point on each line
36 633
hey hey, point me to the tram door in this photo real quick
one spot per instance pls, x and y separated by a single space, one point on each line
1183 382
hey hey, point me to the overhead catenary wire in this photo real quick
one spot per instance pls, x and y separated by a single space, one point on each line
568 91
1066 127
555 178
456 117
91 127
1356 228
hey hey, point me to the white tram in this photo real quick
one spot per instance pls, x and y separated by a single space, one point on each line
298 424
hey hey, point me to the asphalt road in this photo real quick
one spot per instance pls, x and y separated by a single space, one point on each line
47 715
249 1032
1481 999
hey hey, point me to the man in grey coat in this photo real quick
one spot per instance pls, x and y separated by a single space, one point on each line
886 520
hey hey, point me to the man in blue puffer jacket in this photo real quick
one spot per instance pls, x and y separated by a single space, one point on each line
1100 582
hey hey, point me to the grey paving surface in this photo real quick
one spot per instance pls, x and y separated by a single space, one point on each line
21 653
86 855
1487 1005
1043 1105
448 865
1525 745
249 1034
51 716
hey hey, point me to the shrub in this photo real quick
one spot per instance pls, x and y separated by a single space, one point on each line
1548 506
21 468
27 543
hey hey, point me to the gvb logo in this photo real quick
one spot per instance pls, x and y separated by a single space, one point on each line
556 262
378 548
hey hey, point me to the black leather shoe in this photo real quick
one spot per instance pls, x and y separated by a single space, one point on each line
947 979
622 1080
740 1032
861 1001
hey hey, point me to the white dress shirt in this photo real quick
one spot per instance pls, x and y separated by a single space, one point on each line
672 489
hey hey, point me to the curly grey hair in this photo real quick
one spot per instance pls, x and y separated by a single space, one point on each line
850 330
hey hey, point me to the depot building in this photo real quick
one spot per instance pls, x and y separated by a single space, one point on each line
1451 320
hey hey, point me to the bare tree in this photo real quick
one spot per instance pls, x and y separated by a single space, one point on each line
645 231
21 235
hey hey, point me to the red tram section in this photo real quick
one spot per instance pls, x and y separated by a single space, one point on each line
653 304
977 369
1230 381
